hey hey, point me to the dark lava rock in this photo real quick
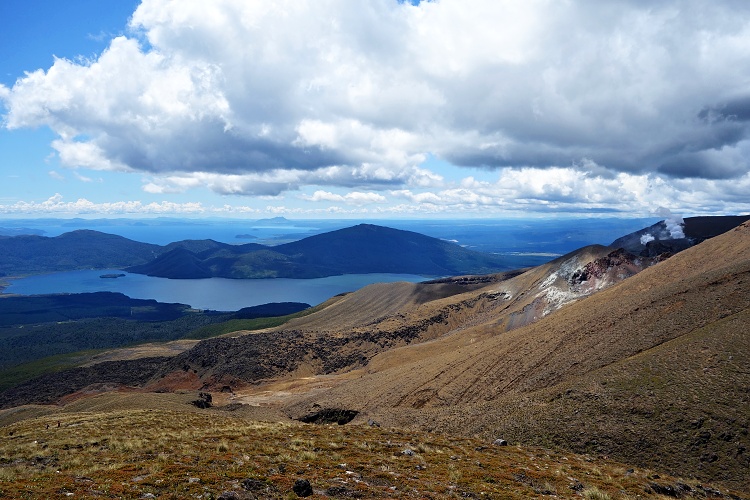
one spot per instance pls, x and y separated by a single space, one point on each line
330 416
257 486
343 492
228 495
302 488
666 490
576 485
204 400
709 492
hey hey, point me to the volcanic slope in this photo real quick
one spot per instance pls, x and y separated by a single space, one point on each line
354 328
653 371
350 330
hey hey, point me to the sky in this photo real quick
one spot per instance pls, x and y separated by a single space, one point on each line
374 108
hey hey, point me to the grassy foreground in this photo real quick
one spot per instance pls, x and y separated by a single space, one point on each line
171 454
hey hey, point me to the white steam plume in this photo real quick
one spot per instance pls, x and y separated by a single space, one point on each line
646 238
673 222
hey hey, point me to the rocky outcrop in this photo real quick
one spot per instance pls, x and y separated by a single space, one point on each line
51 387
330 416
659 239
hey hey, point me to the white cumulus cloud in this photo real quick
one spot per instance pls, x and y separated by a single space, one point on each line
573 103
353 197
56 205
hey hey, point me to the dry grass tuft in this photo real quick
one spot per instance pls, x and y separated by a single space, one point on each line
595 493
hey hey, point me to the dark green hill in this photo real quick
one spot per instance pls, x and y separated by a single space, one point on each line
368 248
211 247
87 249
178 263
365 248
82 249
361 249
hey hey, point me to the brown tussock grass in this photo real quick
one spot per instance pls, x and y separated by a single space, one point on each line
129 453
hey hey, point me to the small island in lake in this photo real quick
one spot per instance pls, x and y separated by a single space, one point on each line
112 276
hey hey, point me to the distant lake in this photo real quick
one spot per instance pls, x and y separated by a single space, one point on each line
219 294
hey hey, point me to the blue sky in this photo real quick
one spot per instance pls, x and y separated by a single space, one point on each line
373 109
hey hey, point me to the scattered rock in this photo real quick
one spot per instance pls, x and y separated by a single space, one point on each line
408 452
709 492
231 407
302 488
703 437
500 442
668 490
343 492
330 416
204 400
257 486
372 423
576 485
194 480
228 495
467 494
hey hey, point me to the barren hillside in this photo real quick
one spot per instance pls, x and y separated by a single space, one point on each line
676 332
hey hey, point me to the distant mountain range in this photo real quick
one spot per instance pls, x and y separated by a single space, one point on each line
360 249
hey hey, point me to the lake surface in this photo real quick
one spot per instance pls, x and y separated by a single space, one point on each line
219 294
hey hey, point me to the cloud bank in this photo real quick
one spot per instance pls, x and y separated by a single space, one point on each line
572 103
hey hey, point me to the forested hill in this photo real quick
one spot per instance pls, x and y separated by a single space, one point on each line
87 249
83 249
365 248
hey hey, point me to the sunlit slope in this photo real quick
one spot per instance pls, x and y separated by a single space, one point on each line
502 383
375 305
110 450
350 330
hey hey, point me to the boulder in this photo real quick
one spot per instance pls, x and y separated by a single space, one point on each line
302 488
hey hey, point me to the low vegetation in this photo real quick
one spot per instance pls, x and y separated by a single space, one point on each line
247 324
127 453
14 375
44 333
